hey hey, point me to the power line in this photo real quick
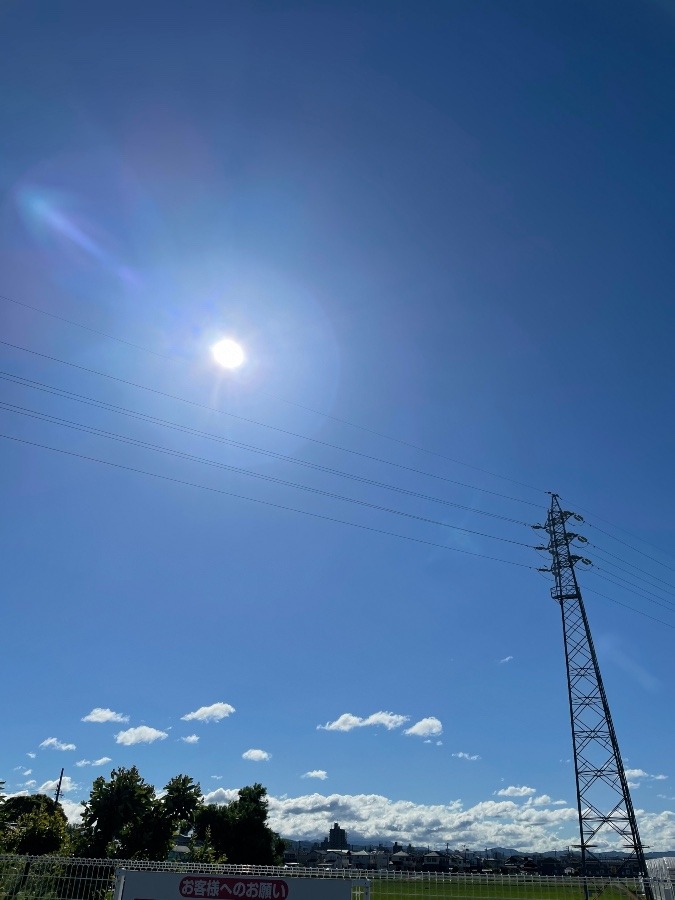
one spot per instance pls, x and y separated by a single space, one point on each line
78 426
606 575
631 608
618 602
283 399
82 456
624 530
643 572
624 584
104 334
145 417
630 547
631 588
103 404
263 424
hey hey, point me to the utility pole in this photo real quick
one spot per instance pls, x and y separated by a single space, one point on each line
58 787
603 798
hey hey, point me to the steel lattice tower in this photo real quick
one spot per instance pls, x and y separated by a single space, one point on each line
603 798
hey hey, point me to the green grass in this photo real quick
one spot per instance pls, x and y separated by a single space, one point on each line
461 889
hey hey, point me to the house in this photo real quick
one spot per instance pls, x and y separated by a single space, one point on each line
402 860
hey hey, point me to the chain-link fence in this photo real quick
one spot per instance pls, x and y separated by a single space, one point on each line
57 878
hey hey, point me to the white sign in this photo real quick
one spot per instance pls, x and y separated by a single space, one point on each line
190 886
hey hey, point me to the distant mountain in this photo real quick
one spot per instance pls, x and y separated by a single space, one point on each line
492 852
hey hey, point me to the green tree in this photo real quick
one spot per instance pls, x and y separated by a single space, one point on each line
125 819
117 813
204 851
182 798
34 826
214 824
239 829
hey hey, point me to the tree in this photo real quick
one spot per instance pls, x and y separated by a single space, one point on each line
15 807
117 814
213 824
203 851
34 826
239 829
124 818
182 798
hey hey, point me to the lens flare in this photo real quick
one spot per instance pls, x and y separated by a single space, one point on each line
49 215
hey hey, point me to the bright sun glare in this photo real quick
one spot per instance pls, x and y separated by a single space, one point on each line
228 353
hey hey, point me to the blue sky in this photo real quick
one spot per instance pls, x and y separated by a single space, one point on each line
442 235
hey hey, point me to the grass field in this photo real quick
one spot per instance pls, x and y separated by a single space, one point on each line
497 889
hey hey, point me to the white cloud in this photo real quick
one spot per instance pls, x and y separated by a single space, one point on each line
99 714
190 739
347 721
31 755
72 809
513 791
142 734
505 660
632 774
217 777
55 744
256 755
30 784
491 823
316 773
221 796
93 762
67 785
213 713
367 817
472 757
425 727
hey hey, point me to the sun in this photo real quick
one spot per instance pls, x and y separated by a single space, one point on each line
228 353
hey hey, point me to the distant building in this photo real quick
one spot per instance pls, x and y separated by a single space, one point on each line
337 838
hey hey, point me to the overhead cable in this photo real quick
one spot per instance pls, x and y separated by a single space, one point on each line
145 417
147 445
638 569
249 421
285 400
630 546
631 608
625 586
618 603
405 537
624 530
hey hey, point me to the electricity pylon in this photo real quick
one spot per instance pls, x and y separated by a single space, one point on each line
603 798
